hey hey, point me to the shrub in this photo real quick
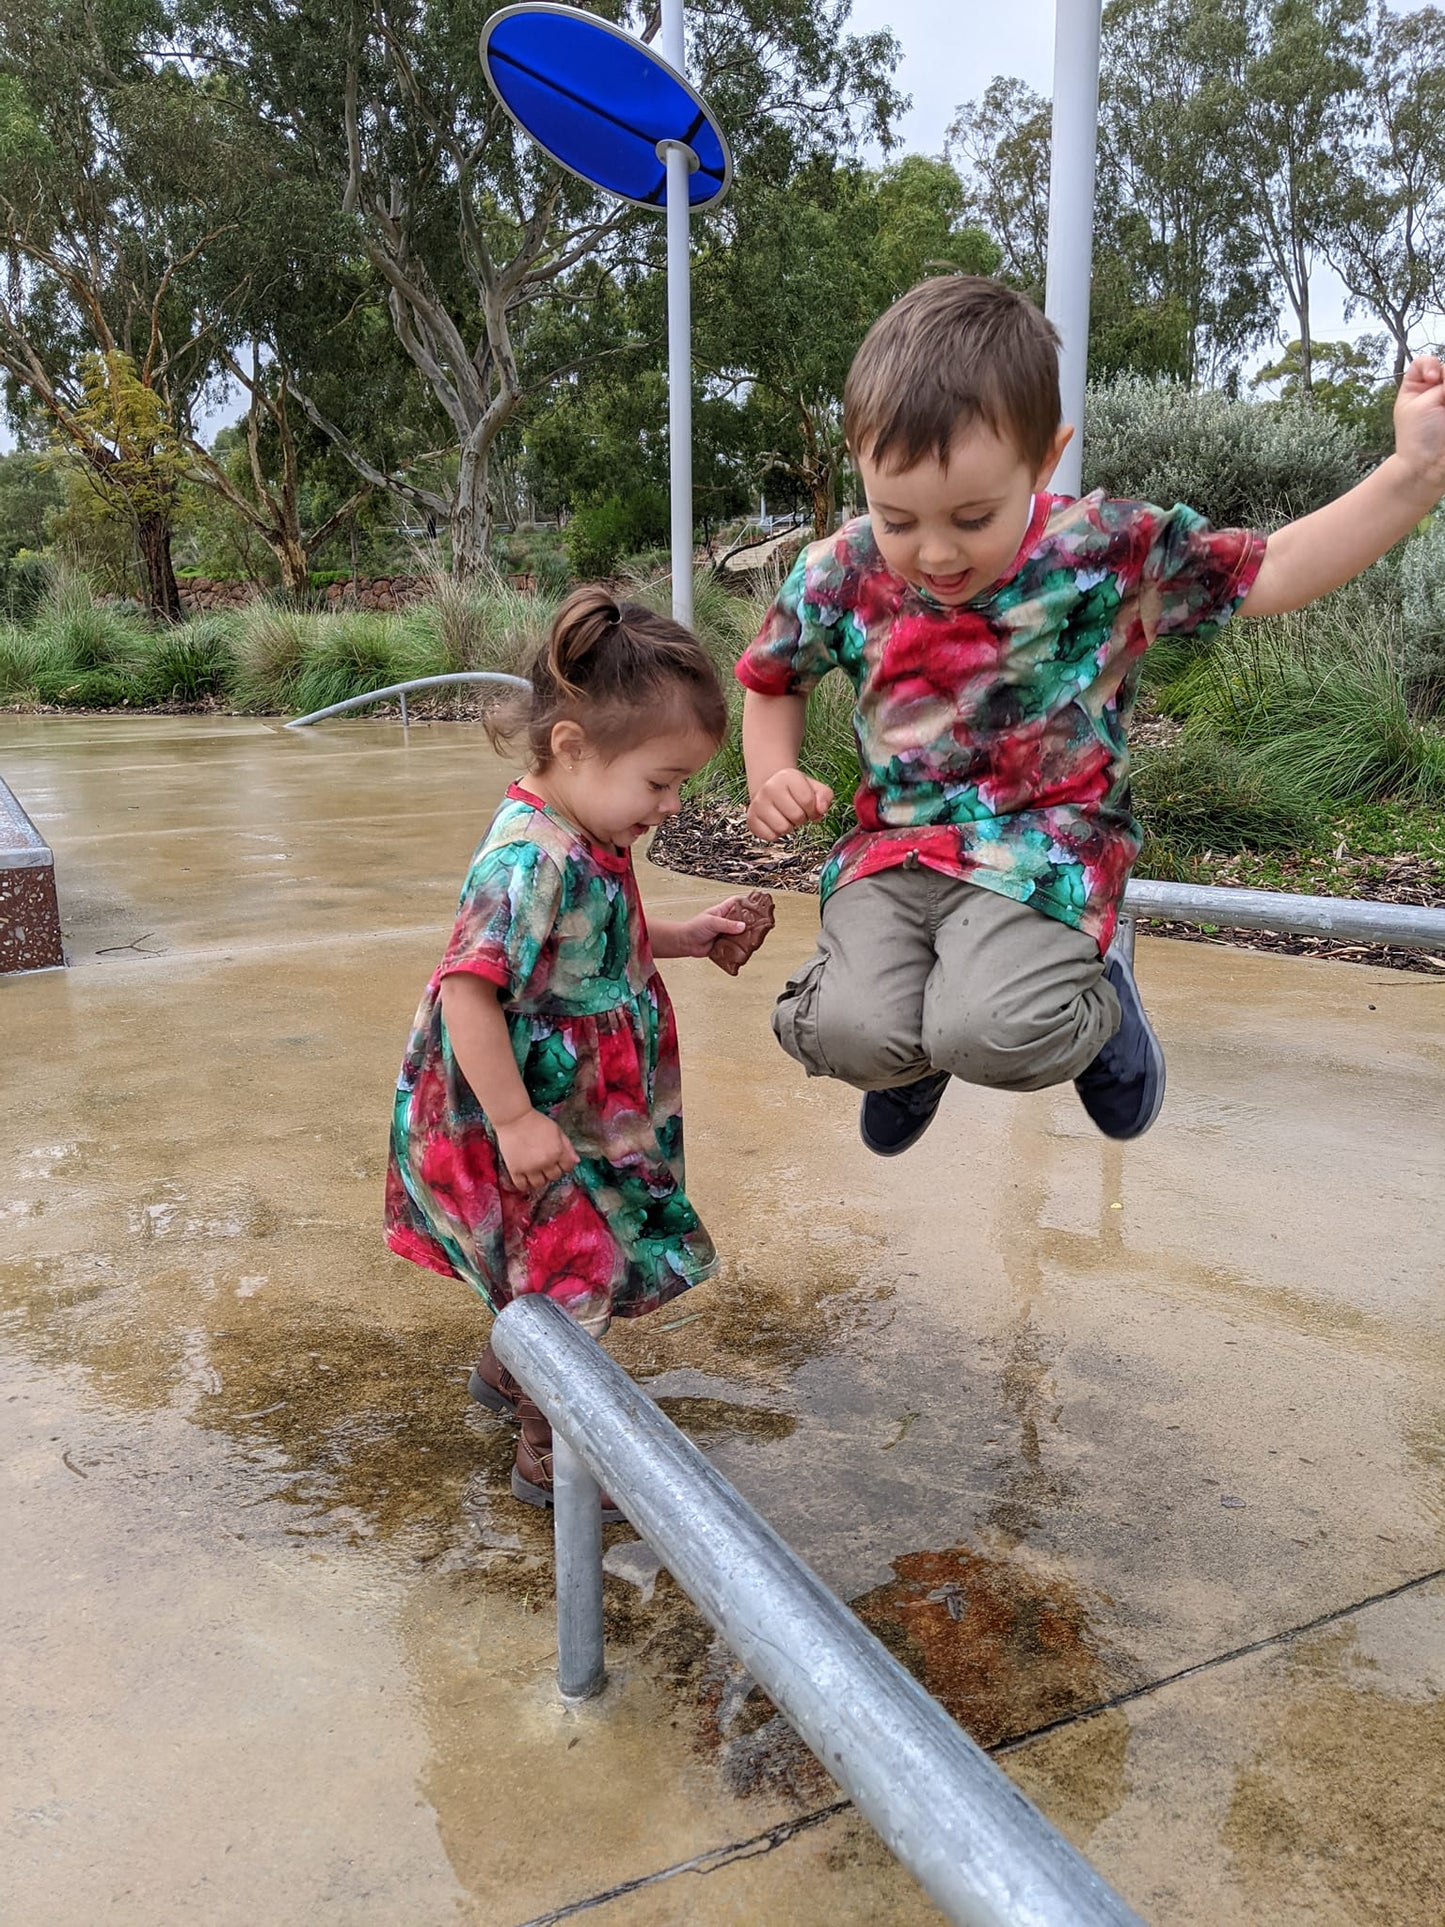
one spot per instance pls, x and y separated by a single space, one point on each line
347 655
479 623
20 662
1321 699
79 634
1242 464
191 663
270 644
599 536
1422 595
1203 794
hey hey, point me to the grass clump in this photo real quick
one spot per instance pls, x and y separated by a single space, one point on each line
351 654
194 662
1202 794
1322 701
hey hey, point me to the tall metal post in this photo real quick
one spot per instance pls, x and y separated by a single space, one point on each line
680 161
1071 213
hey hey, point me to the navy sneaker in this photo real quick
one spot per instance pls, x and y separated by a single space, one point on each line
891 1121
1124 1086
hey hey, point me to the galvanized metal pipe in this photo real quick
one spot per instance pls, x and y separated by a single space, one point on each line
581 1667
986 1855
1412 926
401 690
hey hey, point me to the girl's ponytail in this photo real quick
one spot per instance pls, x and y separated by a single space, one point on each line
621 671
580 627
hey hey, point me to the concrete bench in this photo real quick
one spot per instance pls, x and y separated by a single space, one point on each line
29 912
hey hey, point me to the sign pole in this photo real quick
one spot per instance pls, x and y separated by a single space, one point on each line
1071 214
679 161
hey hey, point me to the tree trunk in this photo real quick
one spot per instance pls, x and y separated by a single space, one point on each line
295 564
822 492
153 537
471 524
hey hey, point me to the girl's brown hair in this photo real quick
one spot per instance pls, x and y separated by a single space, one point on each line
621 672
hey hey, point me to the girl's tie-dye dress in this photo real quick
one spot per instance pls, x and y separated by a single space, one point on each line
555 921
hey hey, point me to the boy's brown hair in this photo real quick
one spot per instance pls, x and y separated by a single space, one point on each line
951 352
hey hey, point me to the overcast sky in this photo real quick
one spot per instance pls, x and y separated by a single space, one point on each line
951 53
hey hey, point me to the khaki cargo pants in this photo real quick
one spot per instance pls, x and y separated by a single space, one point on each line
915 971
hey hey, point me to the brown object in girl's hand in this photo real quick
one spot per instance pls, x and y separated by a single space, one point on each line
730 952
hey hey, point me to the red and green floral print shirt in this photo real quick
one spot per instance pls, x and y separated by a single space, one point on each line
992 736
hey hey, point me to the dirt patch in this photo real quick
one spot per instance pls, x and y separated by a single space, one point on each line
1004 1651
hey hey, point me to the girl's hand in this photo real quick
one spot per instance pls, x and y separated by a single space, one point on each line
535 1151
786 801
696 937
1420 424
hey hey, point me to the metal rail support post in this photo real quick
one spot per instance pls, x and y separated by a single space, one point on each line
960 1826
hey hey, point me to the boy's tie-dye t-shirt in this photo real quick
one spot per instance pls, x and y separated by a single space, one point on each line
992 736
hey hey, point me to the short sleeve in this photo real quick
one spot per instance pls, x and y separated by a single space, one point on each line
1195 577
795 648
509 908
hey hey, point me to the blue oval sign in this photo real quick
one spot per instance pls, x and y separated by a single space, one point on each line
599 102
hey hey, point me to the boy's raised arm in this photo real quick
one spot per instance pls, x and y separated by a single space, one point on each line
782 796
1306 559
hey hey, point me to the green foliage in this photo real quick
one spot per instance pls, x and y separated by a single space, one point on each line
1201 793
1321 700
354 652
478 622
599 537
271 644
1347 382
1422 592
191 662
1242 465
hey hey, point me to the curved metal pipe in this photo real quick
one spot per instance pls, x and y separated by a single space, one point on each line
402 689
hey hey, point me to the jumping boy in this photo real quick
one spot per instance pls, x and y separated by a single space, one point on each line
994 635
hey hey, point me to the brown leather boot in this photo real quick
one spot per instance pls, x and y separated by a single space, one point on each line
492 1385
532 1468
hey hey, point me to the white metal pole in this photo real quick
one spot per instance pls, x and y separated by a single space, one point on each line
679 334
1071 212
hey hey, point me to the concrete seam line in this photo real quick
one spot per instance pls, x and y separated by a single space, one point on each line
761 1843
1283 1638
705 1863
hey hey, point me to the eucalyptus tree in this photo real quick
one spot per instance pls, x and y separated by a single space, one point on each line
467 226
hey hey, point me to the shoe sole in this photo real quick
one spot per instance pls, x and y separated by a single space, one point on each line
484 1394
541 1497
894 1150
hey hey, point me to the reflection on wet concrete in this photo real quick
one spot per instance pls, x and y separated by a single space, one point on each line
1059 1417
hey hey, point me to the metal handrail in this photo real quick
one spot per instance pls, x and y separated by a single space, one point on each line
401 690
985 1854
1410 926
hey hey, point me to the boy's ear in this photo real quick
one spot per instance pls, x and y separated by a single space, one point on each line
1063 435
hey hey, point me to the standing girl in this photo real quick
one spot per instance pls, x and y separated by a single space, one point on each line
536 1140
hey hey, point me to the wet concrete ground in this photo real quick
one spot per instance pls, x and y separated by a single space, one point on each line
1136 1456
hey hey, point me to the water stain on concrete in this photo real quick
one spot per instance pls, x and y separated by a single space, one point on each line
1080 1778
1342 1809
1002 1648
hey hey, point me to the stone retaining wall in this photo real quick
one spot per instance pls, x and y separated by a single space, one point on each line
201 594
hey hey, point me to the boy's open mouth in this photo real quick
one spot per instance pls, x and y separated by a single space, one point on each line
946 584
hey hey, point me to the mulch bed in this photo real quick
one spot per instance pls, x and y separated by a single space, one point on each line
711 840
